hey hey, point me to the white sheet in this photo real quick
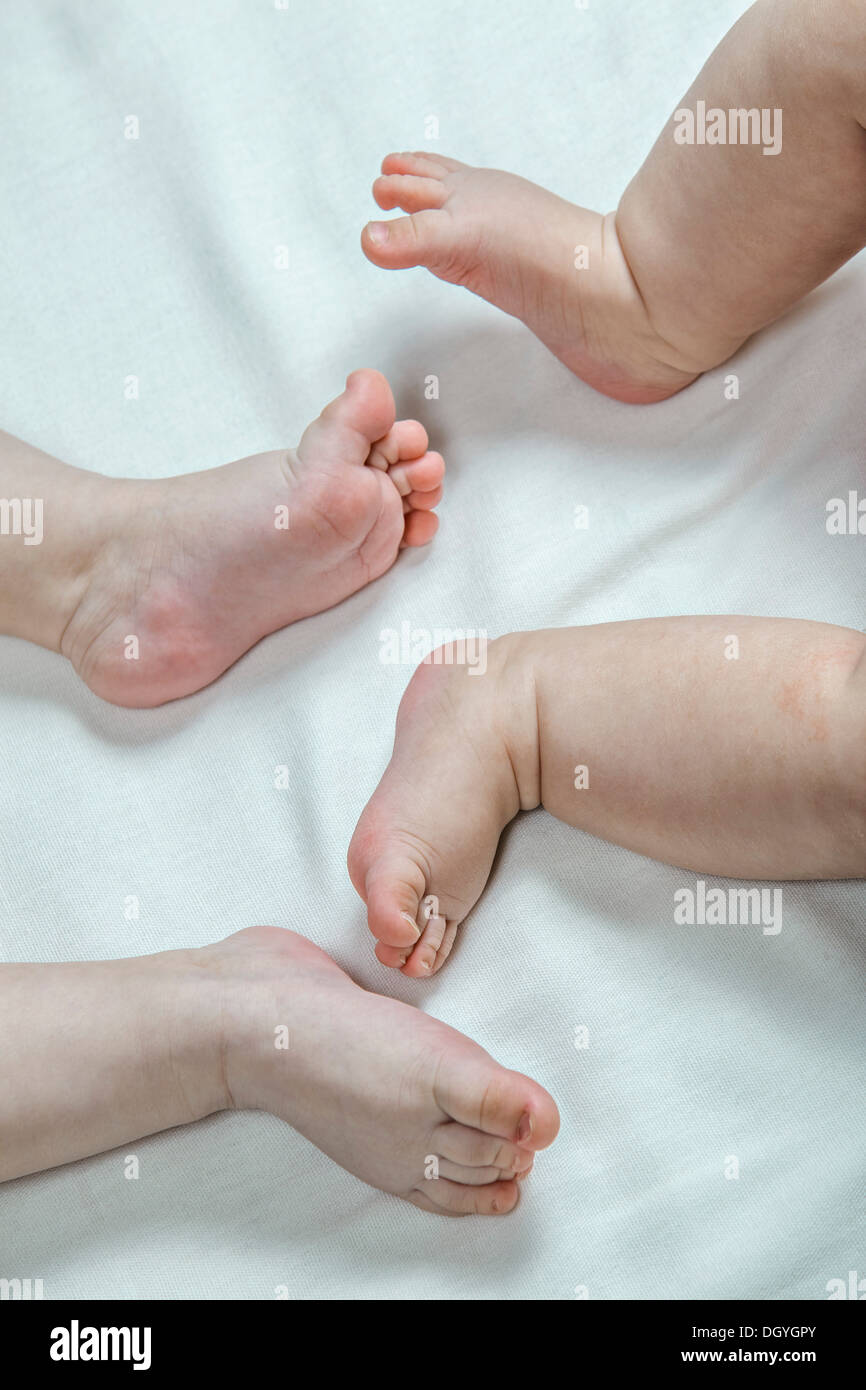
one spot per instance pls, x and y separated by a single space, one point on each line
262 127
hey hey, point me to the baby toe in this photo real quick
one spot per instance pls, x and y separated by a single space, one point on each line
422 961
409 192
502 1103
472 1148
406 440
420 528
421 239
419 475
461 1199
422 501
470 1177
393 956
417 163
392 886
348 425
366 405
439 161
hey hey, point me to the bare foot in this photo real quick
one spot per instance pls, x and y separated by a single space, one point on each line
431 828
194 570
396 1097
556 266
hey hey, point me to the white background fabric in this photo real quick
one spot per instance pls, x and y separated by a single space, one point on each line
262 127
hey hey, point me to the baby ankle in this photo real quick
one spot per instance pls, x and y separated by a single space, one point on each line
517 717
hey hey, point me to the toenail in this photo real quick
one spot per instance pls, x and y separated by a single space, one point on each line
412 923
524 1129
378 232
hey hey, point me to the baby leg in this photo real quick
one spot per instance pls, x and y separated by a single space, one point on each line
732 746
754 192
401 1100
723 238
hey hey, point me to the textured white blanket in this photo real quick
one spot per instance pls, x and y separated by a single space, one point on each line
261 127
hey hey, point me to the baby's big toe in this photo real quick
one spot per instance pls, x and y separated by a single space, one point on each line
392 885
502 1103
350 424
367 404
422 239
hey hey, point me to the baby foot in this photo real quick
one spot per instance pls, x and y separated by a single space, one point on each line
194 570
396 1097
423 848
556 266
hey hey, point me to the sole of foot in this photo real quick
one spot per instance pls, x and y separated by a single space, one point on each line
193 571
404 1102
424 846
